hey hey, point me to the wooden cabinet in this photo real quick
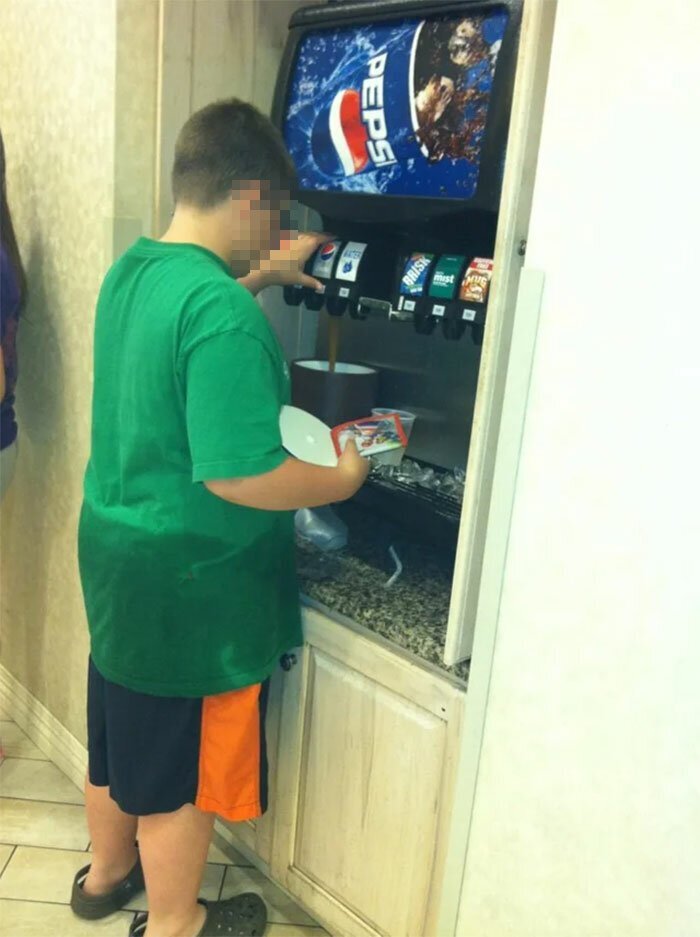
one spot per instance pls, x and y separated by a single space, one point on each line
364 784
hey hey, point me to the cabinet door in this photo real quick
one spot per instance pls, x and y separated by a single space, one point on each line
365 775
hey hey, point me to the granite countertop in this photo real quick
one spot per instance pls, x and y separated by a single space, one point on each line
411 613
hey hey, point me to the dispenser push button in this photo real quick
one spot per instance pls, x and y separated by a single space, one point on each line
321 266
474 294
476 281
446 277
349 262
343 291
415 274
326 256
414 281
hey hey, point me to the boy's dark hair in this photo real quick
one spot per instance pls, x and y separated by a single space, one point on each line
223 144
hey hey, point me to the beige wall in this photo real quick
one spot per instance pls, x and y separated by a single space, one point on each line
135 117
57 117
587 814
89 146
216 49
219 49
80 144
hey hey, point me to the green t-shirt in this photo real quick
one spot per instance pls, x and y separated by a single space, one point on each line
186 594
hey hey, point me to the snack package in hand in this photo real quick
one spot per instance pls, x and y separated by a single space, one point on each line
372 435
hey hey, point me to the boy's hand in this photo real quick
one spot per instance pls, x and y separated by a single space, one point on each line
284 265
354 467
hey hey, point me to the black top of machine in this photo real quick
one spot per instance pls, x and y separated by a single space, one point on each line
399 109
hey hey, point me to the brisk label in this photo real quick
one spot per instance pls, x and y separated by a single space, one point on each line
419 265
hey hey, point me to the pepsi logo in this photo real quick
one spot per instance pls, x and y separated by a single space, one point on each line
357 127
327 250
348 133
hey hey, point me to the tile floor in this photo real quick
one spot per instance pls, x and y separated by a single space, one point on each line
44 841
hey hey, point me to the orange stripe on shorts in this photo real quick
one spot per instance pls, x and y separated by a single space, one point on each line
229 755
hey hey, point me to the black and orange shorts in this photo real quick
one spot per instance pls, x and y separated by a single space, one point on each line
157 754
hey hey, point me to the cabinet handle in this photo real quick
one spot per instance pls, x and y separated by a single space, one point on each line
287 661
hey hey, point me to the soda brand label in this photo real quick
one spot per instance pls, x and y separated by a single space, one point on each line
323 262
349 261
415 274
446 276
476 282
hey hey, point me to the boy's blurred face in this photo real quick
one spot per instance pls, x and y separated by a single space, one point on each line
260 216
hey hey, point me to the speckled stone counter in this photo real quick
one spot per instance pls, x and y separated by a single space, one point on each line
411 613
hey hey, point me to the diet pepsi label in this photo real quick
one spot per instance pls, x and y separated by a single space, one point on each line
325 257
415 274
349 261
394 108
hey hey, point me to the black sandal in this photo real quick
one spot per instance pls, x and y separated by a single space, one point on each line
242 916
94 907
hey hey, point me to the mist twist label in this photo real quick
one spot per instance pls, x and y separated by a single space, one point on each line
445 278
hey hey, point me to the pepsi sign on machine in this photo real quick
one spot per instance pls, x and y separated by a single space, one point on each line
396 113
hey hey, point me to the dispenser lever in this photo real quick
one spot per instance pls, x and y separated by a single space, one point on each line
400 315
376 305
383 307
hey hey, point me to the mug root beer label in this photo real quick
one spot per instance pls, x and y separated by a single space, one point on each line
476 282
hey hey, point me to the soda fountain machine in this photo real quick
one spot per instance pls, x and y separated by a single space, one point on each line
396 115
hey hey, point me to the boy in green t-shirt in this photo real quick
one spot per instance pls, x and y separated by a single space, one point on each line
186 537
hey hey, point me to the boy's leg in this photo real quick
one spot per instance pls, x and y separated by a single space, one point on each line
173 849
113 837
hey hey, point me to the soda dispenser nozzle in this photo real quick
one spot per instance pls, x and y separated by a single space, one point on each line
335 307
424 325
453 328
293 295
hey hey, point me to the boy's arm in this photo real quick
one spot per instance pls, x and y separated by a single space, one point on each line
296 484
233 395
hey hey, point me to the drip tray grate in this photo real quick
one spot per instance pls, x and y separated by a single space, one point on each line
445 506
